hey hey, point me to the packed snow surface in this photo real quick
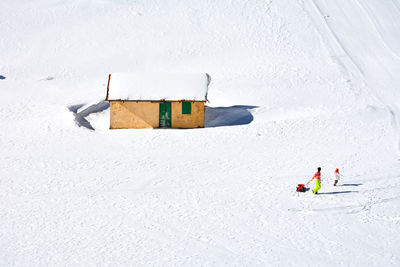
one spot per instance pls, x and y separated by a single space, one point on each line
158 86
296 85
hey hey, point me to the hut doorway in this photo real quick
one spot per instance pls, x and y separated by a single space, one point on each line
165 115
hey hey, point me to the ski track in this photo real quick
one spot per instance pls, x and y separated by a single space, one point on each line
393 117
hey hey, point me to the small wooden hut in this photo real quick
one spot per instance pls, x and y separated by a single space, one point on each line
157 100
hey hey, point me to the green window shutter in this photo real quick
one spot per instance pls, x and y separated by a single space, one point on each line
186 108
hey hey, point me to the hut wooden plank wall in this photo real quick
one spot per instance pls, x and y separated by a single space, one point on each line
133 115
141 101
193 120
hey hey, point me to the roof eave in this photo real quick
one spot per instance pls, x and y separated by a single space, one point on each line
161 100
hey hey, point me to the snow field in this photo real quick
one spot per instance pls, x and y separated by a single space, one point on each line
286 97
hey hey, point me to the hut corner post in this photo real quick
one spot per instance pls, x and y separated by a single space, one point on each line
108 86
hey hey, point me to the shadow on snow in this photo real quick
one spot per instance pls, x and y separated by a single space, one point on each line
228 116
350 185
80 117
334 193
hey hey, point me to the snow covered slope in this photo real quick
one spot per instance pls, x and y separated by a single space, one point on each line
297 84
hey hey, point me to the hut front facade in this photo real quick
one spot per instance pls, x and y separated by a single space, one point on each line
157 100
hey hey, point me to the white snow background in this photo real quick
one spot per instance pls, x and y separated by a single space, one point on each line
296 84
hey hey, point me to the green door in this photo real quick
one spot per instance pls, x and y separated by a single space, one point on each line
165 115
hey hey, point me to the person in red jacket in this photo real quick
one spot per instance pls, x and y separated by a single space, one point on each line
317 177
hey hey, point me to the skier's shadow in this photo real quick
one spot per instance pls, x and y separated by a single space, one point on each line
334 193
350 185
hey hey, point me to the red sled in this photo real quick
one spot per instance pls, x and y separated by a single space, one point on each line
301 188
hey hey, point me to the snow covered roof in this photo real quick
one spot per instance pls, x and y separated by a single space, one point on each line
158 86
